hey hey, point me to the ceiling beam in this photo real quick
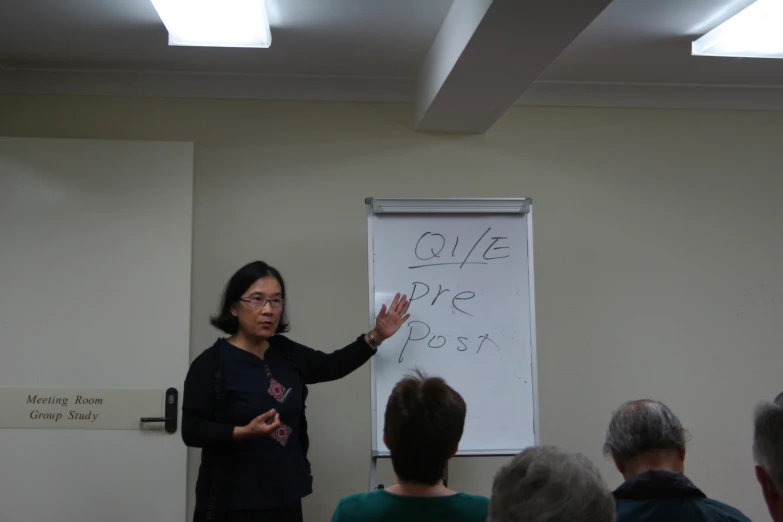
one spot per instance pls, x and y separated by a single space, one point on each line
487 53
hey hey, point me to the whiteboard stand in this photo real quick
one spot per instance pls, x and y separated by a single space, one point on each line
515 214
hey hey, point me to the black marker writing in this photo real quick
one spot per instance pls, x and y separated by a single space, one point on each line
436 337
416 294
474 246
457 263
483 338
435 341
439 292
430 245
410 335
493 247
465 298
415 286
432 250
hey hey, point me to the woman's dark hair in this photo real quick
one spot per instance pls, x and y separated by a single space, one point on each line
238 285
423 426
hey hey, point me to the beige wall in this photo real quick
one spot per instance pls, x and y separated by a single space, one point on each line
659 252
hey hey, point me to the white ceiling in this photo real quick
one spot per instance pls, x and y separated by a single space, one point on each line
378 38
648 41
635 53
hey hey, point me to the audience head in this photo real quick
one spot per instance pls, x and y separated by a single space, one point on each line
422 428
546 484
645 435
768 454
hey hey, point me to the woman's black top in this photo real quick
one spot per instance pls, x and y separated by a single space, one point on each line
227 387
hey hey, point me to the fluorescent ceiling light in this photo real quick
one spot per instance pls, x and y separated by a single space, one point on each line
215 23
755 32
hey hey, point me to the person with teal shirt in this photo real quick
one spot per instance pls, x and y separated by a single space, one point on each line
422 428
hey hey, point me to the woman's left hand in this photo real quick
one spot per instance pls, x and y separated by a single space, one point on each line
387 323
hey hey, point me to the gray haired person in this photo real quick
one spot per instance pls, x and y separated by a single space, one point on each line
546 484
647 443
768 454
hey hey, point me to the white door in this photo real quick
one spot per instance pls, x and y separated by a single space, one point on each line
95 256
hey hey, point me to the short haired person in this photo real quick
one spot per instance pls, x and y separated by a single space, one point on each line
254 463
647 443
768 454
422 428
547 484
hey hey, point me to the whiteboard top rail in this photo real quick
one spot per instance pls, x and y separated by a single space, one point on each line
449 205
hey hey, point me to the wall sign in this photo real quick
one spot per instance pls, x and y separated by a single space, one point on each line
87 409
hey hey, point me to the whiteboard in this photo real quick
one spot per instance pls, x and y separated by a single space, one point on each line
467 267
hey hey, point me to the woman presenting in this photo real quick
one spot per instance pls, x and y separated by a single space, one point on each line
244 401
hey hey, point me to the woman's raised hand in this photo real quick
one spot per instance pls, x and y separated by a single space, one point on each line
388 322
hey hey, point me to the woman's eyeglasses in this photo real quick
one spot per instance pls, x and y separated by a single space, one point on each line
260 302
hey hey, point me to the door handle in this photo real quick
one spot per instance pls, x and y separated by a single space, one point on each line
169 410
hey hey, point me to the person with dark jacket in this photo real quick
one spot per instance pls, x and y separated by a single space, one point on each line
647 443
244 401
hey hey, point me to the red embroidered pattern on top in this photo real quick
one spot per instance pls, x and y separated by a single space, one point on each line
281 434
276 389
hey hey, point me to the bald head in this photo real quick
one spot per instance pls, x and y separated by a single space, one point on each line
644 428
